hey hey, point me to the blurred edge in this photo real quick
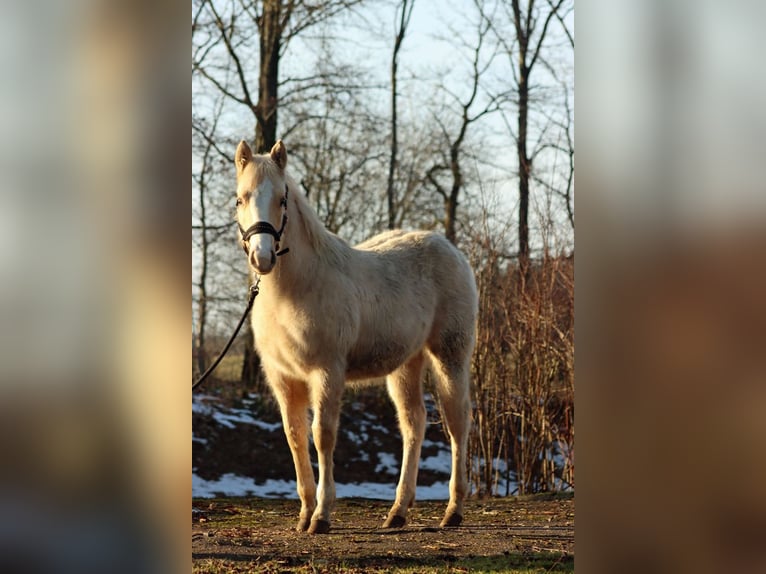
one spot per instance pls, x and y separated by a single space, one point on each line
94 299
94 369
670 284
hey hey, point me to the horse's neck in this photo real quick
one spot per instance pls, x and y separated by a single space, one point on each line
307 241
294 268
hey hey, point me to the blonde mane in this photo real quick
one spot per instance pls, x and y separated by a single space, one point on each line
327 246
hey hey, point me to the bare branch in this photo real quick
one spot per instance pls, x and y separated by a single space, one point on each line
246 98
551 14
560 17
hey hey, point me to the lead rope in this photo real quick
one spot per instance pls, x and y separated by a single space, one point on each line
211 368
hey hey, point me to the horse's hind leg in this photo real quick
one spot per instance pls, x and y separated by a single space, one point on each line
406 390
452 384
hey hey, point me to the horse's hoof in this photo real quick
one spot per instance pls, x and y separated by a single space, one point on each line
452 520
319 527
303 525
395 521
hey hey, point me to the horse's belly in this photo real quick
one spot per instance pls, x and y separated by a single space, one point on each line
298 352
378 359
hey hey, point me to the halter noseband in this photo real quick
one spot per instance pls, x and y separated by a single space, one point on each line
266 227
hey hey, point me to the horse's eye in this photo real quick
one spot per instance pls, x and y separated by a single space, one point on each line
239 201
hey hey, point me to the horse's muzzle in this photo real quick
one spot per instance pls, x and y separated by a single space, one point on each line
263 263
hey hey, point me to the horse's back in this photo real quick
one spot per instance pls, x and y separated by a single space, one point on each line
398 244
386 240
414 256
426 271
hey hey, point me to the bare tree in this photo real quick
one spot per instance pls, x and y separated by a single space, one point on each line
202 300
558 179
335 145
469 109
212 231
341 163
404 12
231 26
276 23
530 36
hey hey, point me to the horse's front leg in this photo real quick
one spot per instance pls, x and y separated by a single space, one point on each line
293 399
326 395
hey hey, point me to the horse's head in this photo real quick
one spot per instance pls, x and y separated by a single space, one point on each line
261 203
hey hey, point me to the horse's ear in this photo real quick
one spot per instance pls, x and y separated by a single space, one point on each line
243 156
279 154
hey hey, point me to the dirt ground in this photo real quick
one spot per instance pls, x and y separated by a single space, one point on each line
517 534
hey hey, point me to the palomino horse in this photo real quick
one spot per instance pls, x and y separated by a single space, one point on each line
329 312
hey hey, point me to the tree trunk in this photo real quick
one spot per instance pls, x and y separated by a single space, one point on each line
450 212
392 160
450 203
524 165
270 30
404 20
202 302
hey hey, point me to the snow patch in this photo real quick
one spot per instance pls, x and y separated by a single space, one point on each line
200 404
229 418
441 462
387 464
235 485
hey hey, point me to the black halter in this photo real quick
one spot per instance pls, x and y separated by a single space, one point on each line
266 227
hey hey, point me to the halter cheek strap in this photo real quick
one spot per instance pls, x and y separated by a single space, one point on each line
266 227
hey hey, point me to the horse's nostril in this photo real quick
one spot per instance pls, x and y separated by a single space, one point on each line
273 258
